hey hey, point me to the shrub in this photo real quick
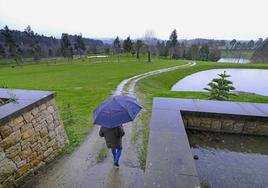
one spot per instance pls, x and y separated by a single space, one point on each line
220 87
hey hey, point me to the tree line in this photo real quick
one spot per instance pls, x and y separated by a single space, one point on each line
16 44
171 48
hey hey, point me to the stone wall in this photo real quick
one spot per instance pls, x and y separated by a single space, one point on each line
30 140
225 123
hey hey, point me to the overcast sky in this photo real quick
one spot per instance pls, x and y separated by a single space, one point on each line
219 19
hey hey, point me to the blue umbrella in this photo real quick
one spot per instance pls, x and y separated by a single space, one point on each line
116 110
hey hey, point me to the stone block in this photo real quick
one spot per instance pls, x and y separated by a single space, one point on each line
44 141
50 109
249 127
36 147
25 153
50 157
51 143
51 127
238 126
193 122
49 119
216 124
28 117
43 132
22 170
39 126
27 134
48 152
5 130
7 168
13 151
227 125
51 134
42 107
2 155
16 159
21 163
205 122
35 111
11 140
44 114
32 157
57 123
8 182
262 128
35 162
16 127
56 146
26 127
18 120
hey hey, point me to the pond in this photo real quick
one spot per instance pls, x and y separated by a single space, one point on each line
246 80
229 160
234 60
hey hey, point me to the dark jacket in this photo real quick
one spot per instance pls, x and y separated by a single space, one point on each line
113 136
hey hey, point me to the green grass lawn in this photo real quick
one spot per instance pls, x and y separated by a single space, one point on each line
160 86
80 85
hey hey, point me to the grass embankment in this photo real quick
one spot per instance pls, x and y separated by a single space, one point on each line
102 154
81 85
160 86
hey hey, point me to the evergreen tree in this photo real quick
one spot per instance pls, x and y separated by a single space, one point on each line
250 44
173 42
66 47
214 55
194 52
183 48
219 88
107 50
258 42
233 44
13 48
138 45
33 43
204 53
2 51
50 52
163 50
127 45
261 53
80 45
116 47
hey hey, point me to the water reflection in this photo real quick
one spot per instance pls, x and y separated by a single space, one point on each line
227 160
234 60
247 80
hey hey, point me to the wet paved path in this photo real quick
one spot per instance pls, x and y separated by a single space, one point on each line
81 170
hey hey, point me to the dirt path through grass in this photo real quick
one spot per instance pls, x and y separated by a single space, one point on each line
82 168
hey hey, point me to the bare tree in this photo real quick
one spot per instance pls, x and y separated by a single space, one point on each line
149 41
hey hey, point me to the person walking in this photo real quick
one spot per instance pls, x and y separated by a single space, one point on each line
111 115
113 139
